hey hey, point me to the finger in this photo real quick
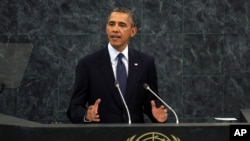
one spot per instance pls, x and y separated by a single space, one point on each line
96 105
96 118
153 104
165 110
162 107
97 102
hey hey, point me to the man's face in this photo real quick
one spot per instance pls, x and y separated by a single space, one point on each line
119 30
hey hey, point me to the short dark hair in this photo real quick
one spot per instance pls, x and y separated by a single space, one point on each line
124 10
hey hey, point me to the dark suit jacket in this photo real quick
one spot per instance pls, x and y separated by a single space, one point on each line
95 79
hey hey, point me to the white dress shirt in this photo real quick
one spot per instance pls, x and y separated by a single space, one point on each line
113 58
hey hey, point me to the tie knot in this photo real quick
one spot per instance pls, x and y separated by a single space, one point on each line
120 55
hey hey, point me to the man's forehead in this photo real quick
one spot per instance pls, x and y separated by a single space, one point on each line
119 16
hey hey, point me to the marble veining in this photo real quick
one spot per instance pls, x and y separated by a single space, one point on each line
201 50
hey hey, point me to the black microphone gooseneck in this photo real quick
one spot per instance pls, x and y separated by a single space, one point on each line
124 102
146 86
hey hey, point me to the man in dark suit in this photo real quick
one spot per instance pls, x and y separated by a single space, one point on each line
96 99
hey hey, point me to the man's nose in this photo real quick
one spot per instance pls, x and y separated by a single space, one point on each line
115 28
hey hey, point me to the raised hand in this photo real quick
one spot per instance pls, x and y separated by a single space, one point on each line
92 112
160 114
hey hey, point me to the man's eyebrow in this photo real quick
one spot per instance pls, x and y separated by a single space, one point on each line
117 22
122 23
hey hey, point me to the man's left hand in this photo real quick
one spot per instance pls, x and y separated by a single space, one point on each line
160 114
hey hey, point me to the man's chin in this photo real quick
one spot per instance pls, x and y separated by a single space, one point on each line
115 45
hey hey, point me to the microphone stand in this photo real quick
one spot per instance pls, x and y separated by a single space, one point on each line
146 86
124 102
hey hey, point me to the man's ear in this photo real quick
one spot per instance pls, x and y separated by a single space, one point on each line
133 31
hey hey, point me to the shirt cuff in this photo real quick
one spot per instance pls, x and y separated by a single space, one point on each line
85 120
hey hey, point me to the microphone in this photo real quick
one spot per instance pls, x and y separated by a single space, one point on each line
126 107
146 86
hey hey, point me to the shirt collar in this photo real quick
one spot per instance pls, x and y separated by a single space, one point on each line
113 52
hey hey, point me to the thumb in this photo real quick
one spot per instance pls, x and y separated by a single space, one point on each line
97 102
96 105
153 104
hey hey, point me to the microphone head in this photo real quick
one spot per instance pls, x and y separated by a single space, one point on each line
146 86
116 83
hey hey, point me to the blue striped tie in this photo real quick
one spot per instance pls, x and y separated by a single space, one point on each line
121 74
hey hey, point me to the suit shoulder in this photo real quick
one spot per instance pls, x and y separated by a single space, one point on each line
93 56
141 54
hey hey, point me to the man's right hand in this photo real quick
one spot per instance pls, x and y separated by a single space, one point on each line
92 112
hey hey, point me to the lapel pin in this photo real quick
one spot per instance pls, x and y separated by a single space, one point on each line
136 64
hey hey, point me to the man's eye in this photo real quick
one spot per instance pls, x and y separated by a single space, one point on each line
122 25
111 24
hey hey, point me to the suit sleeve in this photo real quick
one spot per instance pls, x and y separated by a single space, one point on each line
152 82
77 107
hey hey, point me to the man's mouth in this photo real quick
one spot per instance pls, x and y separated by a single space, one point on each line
115 37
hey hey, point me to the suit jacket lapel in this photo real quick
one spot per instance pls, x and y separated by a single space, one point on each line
108 75
133 72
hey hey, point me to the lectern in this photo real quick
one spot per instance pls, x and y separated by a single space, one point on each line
15 129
